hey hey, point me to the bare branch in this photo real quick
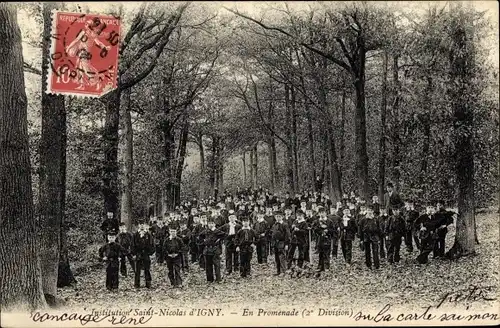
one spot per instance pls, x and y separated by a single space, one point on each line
31 69
337 61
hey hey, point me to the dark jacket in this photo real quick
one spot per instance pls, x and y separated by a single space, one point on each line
110 225
113 251
212 241
229 239
142 247
324 230
125 240
261 228
280 235
392 201
245 238
300 233
348 231
173 246
395 227
370 230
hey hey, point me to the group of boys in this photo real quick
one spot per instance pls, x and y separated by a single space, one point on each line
289 228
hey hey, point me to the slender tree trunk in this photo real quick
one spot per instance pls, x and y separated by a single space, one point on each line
396 157
202 166
272 163
168 149
463 95
275 160
243 158
180 161
213 166
52 172
427 125
252 168
289 146
342 132
20 272
255 166
312 163
295 146
128 164
334 167
110 144
383 109
360 122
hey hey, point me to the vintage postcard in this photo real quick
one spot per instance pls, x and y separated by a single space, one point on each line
277 163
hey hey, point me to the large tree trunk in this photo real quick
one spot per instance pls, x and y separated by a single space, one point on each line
360 122
272 162
65 275
180 161
128 164
383 109
462 95
110 148
52 172
20 273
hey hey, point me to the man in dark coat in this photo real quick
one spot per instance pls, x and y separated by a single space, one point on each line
299 239
427 224
410 216
324 230
392 199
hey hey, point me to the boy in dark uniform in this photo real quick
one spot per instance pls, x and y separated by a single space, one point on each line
270 219
348 232
262 230
230 230
199 234
124 238
383 218
369 233
185 235
212 251
173 248
395 229
299 240
323 228
410 216
193 247
280 236
427 224
245 237
111 253
335 229
159 235
142 248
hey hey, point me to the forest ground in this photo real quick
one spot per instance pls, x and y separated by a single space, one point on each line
406 284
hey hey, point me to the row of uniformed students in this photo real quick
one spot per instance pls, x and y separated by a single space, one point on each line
281 234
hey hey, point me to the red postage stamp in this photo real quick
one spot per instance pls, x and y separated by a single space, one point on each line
83 54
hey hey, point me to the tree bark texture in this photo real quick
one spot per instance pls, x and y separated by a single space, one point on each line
20 272
128 164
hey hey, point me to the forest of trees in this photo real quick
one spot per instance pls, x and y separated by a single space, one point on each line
358 94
